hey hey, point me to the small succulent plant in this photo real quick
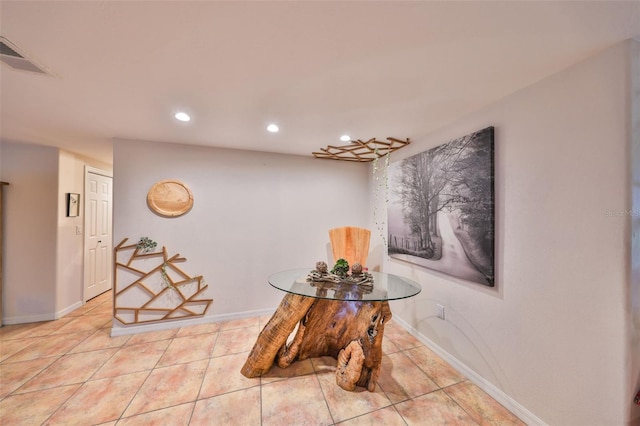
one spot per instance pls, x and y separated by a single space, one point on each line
146 244
341 268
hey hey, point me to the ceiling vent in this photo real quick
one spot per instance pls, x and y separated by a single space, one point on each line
12 56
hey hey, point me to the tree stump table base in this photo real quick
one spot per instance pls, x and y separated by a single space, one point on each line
349 331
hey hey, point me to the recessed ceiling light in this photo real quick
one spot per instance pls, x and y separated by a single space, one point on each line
273 128
345 138
182 116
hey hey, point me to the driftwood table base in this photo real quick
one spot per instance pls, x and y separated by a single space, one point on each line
349 331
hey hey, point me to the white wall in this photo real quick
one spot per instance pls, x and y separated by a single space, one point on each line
29 255
254 214
553 333
70 253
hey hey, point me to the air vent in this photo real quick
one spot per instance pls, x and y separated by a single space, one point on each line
5 49
11 55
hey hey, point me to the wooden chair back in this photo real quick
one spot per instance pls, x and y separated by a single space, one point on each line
350 243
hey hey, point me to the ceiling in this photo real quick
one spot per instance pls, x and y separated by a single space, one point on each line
120 69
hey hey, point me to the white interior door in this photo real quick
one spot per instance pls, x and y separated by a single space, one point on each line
98 239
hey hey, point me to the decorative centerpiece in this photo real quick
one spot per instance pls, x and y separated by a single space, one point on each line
340 274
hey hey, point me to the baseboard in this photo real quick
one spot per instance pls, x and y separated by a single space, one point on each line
243 315
41 317
123 330
512 405
69 309
28 318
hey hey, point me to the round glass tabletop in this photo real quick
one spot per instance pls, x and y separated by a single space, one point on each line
385 286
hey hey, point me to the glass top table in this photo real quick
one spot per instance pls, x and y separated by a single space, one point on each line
385 287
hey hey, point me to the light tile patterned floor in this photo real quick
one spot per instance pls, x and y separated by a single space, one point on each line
70 372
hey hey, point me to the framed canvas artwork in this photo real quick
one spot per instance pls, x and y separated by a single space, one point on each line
73 204
441 208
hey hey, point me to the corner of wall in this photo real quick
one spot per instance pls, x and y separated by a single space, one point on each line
69 253
634 279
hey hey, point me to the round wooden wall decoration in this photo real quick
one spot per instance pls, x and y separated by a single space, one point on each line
170 198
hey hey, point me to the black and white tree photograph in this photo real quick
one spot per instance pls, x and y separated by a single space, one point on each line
441 208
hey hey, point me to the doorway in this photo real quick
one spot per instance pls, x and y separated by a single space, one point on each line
98 228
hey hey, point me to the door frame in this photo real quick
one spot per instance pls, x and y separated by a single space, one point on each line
92 170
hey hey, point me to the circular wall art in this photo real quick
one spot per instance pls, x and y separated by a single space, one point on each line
170 198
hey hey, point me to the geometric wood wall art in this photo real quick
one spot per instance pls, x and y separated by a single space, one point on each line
361 152
149 287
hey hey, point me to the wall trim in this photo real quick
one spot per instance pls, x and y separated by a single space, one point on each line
41 317
68 309
28 318
96 171
496 393
118 329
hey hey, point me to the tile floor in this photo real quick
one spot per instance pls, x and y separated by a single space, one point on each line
70 372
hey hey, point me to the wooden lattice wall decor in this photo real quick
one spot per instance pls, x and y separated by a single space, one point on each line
360 151
150 287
